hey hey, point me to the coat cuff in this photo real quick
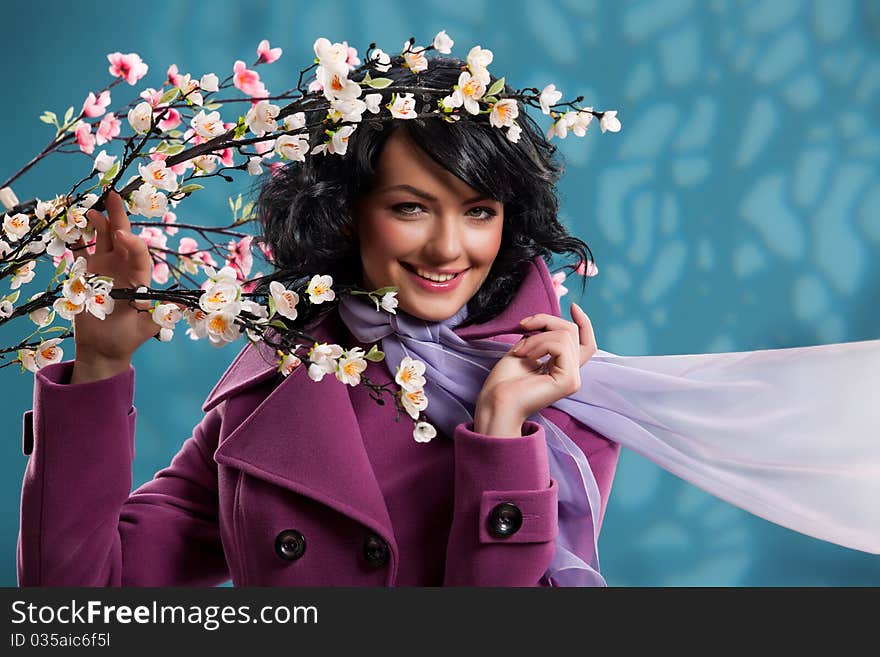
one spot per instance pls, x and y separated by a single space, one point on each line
70 401
506 482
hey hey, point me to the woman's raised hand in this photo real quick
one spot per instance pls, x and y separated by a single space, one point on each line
104 347
520 385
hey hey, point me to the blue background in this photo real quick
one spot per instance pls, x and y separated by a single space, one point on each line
738 209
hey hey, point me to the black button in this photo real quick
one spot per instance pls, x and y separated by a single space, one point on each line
376 551
290 545
505 519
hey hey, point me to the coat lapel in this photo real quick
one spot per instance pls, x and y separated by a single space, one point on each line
304 436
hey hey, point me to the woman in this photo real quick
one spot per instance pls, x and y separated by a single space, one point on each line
287 481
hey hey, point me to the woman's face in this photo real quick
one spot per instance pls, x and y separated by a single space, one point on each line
419 217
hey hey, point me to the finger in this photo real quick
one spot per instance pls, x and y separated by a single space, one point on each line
536 343
563 365
116 210
587 336
552 323
103 239
140 262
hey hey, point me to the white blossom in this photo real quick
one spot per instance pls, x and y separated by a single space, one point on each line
549 96
320 290
424 432
260 118
350 366
389 302
609 121
285 300
140 117
292 147
158 175
149 201
443 43
410 374
208 126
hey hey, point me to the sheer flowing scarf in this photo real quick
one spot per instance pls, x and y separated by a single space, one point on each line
791 435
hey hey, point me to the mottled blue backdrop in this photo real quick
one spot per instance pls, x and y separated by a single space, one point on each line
738 209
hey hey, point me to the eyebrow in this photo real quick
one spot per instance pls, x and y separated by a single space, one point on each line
428 197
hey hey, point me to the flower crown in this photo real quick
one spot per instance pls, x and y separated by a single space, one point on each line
344 94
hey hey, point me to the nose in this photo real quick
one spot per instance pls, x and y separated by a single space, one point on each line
445 240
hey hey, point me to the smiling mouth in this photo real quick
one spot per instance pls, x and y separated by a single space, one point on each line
434 276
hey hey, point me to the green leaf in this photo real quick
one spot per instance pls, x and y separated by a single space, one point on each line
61 267
174 149
240 128
231 205
174 133
110 174
496 88
68 115
212 106
49 117
374 354
248 209
55 329
238 203
169 95
277 323
12 297
189 189
379 83
385 290
489 99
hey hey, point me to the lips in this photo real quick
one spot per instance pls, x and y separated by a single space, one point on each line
441 272
434 286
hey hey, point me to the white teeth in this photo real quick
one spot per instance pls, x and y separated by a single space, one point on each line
437 278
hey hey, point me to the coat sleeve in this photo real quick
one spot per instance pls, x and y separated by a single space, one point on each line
504 484
80 523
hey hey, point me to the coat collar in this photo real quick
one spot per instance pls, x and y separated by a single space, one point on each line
338 472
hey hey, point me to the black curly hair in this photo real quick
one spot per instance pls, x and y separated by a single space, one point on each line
305 208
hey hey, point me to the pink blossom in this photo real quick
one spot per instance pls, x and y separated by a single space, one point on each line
240 258
267 250
247 81
274 167
160 272
168 219
266 54
178 169
67 257
315 86
252 284
263 147
94 107
585 269
187 246
129 67
352 59
558 287
85 138
153 236
109 128
152 96
226 157
172 120
174 77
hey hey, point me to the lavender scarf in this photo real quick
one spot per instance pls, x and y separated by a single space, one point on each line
791 435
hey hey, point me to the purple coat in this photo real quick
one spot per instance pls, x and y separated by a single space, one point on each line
275 486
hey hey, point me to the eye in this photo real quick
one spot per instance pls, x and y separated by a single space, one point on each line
401 208
488 213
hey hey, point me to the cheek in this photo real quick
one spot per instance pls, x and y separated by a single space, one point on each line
382 238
